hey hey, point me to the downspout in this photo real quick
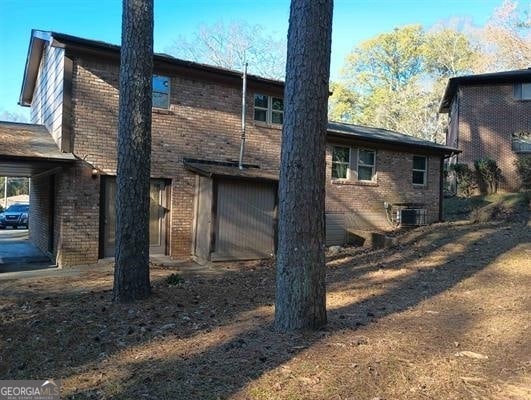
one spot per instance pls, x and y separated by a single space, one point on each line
441 190
244 94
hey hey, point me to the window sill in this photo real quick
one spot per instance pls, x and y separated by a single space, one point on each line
353 183
417 186
163 111
266 125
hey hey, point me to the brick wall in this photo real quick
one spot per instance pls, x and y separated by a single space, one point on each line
488 116
39 216
203 122
393 184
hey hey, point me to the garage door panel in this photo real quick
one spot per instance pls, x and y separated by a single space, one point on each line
245 220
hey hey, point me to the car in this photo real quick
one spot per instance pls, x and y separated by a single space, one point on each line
15 215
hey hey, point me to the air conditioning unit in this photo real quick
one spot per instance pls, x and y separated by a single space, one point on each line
411 216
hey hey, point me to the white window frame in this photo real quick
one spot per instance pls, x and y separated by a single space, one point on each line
373 179
424 171
157 91
269 110
526 96
341 162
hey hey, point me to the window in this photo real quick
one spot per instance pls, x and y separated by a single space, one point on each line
161 92
420 165
366 164
268 109
522 91
340 162
521 142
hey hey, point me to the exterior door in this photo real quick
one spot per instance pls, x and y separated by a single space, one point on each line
158 210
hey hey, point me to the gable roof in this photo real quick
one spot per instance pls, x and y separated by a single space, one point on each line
384 136
163 61
518 75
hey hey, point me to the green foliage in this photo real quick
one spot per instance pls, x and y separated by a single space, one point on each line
174 279
488 175
523 167
465 179
15 186
395 80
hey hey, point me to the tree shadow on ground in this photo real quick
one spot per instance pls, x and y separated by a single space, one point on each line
203 375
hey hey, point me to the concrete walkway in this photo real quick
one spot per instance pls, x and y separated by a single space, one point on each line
17 253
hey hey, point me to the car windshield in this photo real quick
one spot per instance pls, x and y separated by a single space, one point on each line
18 208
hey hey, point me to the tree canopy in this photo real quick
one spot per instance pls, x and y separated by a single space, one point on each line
395 80
232 45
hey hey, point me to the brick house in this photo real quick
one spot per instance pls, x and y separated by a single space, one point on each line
490 116
202 205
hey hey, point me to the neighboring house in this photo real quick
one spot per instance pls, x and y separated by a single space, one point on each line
202 204
490 116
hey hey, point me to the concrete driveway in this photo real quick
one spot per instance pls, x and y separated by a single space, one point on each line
17 253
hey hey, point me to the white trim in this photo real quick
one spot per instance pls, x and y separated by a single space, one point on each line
373 178
425 170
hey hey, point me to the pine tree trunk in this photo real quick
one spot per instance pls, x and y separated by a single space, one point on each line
301 292
131 275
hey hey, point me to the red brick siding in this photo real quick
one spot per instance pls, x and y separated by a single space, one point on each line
393 185
488 116
40 197
203 122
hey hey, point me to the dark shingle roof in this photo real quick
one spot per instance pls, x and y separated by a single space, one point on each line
20 140
228 170
518 75
379 135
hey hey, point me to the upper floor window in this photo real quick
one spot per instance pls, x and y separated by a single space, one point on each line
366 164
268 109
340 162
420 169
522 91
161 91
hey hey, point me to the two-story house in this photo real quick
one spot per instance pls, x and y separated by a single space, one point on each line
490 116
202 204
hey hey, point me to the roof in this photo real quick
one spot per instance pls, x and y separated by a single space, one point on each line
229 170
77 44
385 136
518 75
27 149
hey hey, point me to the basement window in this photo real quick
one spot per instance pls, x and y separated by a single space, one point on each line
161 92
340 162
268 109
420 169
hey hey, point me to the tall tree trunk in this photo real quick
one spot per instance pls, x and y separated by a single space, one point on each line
131 274
301 292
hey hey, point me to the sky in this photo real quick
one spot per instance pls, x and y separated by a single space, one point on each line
354 21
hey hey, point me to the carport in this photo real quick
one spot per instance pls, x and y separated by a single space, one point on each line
28 150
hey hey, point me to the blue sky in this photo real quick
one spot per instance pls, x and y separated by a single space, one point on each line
354 21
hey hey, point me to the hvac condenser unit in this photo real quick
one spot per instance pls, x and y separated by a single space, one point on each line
411 216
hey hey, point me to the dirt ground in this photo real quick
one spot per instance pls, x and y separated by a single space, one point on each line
444 314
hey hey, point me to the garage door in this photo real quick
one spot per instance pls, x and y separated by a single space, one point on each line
245 220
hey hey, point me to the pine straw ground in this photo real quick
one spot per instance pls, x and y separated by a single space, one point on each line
401 322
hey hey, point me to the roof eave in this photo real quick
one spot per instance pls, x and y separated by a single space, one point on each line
442 150
31 69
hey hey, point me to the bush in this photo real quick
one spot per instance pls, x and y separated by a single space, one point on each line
174 280
488 175
523 167
465 179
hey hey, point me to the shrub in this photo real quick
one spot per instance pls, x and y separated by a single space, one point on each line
464 177
523 167
174 279
488 175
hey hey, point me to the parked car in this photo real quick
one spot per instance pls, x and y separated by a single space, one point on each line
15 215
